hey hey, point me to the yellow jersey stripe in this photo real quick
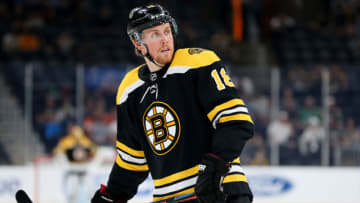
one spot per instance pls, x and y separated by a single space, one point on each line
176 176
224 106
129 79
187 191
237 160
236 117
235 178
182 57
131 167
133 152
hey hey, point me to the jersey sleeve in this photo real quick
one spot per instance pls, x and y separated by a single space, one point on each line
228 113
235 181
130 168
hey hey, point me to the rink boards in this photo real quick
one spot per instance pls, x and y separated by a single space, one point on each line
54 184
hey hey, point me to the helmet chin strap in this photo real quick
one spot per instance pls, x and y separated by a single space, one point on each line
148 56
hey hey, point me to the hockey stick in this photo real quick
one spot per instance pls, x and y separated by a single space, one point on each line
22 197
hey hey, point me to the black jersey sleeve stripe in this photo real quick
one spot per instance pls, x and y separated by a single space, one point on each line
129 150
175 192
172 183
182 192
130 166
130 159
221 107
231 173
236 177
176 176
236 117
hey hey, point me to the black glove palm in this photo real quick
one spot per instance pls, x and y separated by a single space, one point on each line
211 171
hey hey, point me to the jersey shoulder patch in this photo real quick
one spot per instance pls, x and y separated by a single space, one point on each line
130 82
194 58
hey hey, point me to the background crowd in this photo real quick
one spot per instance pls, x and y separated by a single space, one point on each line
301 37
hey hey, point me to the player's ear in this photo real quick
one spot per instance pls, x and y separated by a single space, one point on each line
137 45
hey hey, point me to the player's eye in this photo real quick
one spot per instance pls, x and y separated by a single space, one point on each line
155 35
167 32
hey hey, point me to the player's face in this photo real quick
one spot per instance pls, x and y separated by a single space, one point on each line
160 43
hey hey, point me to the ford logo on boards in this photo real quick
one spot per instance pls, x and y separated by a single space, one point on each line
269 185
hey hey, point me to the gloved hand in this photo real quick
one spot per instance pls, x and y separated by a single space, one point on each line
238 199
103 196
211 171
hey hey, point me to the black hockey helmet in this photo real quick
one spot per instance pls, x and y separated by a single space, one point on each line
144 17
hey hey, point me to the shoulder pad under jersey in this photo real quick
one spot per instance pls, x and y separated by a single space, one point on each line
130 82
191 58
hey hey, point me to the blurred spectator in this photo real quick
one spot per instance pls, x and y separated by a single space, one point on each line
338 79
75 146
280 129
336 115
10 42
28 41
97 124
349 132
66 111
351 139
260 105
221 42
308 110
349 143
260 108
254 145
51 129
282 22
4 157
311 138
34 21
247 86
289 152
65 43
260 158
297 79
289 104
355 140
112 128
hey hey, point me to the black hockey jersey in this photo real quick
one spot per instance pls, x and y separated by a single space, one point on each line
167 121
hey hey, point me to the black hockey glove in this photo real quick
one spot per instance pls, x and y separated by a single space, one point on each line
103 196
211 172
238 199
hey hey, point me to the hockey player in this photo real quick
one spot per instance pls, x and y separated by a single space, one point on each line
179 118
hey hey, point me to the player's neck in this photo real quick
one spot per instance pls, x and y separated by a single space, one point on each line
152 66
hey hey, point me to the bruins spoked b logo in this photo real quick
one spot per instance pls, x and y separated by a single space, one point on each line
162 127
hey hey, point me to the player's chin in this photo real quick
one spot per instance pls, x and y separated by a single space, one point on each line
165 59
